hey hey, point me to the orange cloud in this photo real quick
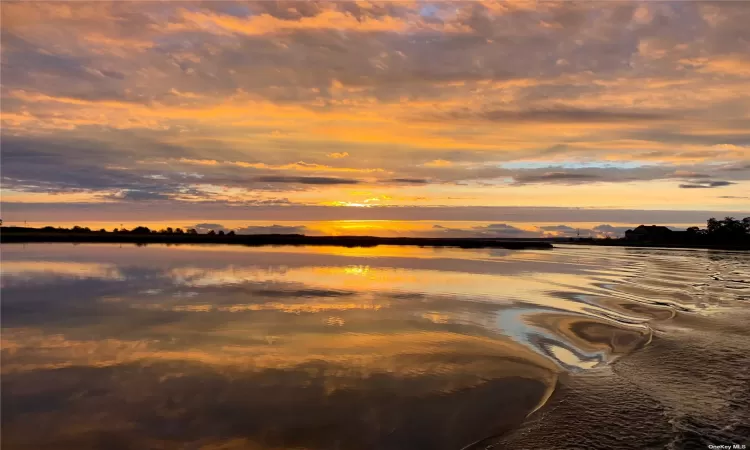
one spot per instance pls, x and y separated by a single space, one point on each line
267 24
298 166
438 163
200 162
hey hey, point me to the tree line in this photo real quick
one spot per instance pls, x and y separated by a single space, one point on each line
723 229
140 230
718 231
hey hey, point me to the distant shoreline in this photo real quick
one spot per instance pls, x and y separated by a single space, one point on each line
9 236
22 235
625 243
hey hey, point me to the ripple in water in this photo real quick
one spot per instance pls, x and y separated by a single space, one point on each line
383 348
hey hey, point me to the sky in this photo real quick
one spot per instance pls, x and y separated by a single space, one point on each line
512 114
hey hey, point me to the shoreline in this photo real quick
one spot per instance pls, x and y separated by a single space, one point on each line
257 240
666 245
25 235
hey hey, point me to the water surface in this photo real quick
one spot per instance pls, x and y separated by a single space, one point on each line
109 346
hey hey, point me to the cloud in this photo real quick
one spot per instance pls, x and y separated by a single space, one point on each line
307 180
295 166
706 184
546 231
558 228
252 229
131 162
40 164
555 177
610 230
408 180
438 163
602 230
737 168
81 211
688 174
231 102
560 115
206 227
136 195
502 229
495 230
273 229
267 24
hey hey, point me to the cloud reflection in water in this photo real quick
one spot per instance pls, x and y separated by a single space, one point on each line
138 347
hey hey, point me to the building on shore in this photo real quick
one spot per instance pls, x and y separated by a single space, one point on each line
649 233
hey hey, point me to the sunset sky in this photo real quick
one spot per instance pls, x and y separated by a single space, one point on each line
493 118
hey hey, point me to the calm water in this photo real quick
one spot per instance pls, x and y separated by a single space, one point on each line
210 347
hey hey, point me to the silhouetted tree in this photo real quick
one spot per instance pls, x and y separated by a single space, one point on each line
728 226
178 231
191 231
693 230
231 233
712 225
212 233
728 230
141 230
221 232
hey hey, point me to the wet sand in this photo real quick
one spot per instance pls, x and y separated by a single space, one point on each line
685 390
688 388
